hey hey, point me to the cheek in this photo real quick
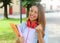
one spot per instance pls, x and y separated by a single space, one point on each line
36 16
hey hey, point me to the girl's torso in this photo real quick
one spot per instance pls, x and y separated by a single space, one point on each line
29 34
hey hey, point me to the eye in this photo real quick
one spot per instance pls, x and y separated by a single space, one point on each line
36 12
31 10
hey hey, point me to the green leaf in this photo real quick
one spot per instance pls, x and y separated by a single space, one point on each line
24 3
1 0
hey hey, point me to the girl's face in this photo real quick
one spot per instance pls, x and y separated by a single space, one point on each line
33 13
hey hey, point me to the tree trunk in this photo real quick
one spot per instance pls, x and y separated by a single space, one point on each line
28 6
27 12
5 11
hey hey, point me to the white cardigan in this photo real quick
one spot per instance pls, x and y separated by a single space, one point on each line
30 35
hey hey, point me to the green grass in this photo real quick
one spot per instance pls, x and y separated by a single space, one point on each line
6 33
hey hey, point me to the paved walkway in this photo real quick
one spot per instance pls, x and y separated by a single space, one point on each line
13 16
53 25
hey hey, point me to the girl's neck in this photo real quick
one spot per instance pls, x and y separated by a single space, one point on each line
33 21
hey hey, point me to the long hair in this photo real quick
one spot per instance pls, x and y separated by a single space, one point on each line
41 16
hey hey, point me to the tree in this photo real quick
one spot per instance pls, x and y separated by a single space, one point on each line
28 3
5 3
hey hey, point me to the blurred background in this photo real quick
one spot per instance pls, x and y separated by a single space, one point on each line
12 13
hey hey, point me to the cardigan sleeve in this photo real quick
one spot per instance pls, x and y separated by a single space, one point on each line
46 35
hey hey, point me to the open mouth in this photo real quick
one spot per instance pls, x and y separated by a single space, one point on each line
32 16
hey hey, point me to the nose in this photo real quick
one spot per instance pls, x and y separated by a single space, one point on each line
32 13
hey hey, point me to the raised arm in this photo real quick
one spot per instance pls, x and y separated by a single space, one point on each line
40 34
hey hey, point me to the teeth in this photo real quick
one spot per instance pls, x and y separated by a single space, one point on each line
31 16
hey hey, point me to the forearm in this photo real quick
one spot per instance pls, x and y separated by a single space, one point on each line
40 38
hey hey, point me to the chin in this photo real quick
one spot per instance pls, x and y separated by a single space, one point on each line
32 19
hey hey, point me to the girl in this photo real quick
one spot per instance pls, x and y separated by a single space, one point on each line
33 29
